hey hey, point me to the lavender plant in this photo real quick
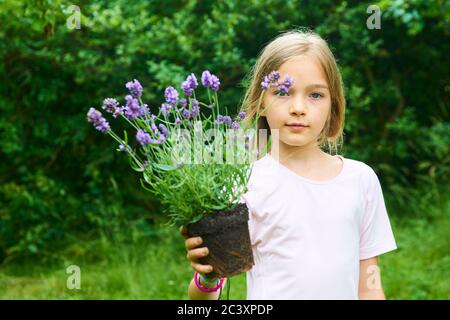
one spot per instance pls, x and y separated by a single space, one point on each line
195 164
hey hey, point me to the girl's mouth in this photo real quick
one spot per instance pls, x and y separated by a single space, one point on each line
296 128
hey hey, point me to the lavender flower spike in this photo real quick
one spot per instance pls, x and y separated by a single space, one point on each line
195 111
227 120
171 95
274 75
216 83
143 137
154 128
210 81
286 84
186 113
220 119
95 117
194 103
132 109
103 126
110 105
189 84
135 88
165 109
183 102
163 129
270 80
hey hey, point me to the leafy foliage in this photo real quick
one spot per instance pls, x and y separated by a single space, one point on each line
58 182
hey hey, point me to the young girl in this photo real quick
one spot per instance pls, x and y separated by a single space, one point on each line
317 222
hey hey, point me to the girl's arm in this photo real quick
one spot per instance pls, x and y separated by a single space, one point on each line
370 280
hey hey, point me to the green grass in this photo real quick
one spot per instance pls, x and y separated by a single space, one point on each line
157 270
418 269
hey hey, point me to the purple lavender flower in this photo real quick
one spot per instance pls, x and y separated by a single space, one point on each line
183 102
265 84
103 126
135 88
171 95
227 120
234 125
118 111
132 109
161 139
189 85
194 103
177 120
195 111
275 75
206 79
186 113
219 119
95 117
242 115
216 83
286 84
110 105
210 81
165 109
154 128
143 137
270 80
163 129
145 109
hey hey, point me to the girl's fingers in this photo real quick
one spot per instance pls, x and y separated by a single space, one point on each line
192 243
201 268
195 254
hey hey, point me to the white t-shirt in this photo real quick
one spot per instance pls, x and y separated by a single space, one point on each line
307 236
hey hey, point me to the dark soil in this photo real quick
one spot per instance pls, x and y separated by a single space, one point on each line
226 235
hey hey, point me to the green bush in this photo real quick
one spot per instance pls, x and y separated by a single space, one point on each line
59 183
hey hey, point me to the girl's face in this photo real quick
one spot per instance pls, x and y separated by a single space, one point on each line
307 102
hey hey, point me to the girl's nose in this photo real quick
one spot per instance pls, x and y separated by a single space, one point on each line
297 107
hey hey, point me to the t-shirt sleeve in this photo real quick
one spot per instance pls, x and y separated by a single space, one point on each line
376 236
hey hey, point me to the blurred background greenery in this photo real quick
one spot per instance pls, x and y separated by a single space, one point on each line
67 198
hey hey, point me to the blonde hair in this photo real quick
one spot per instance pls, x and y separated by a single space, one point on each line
282 48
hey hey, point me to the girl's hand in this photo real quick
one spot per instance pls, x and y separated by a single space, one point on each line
194 253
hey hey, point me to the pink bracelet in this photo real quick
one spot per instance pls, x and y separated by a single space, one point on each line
204 289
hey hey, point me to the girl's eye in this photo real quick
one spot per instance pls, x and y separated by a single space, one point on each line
280 91
316 95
